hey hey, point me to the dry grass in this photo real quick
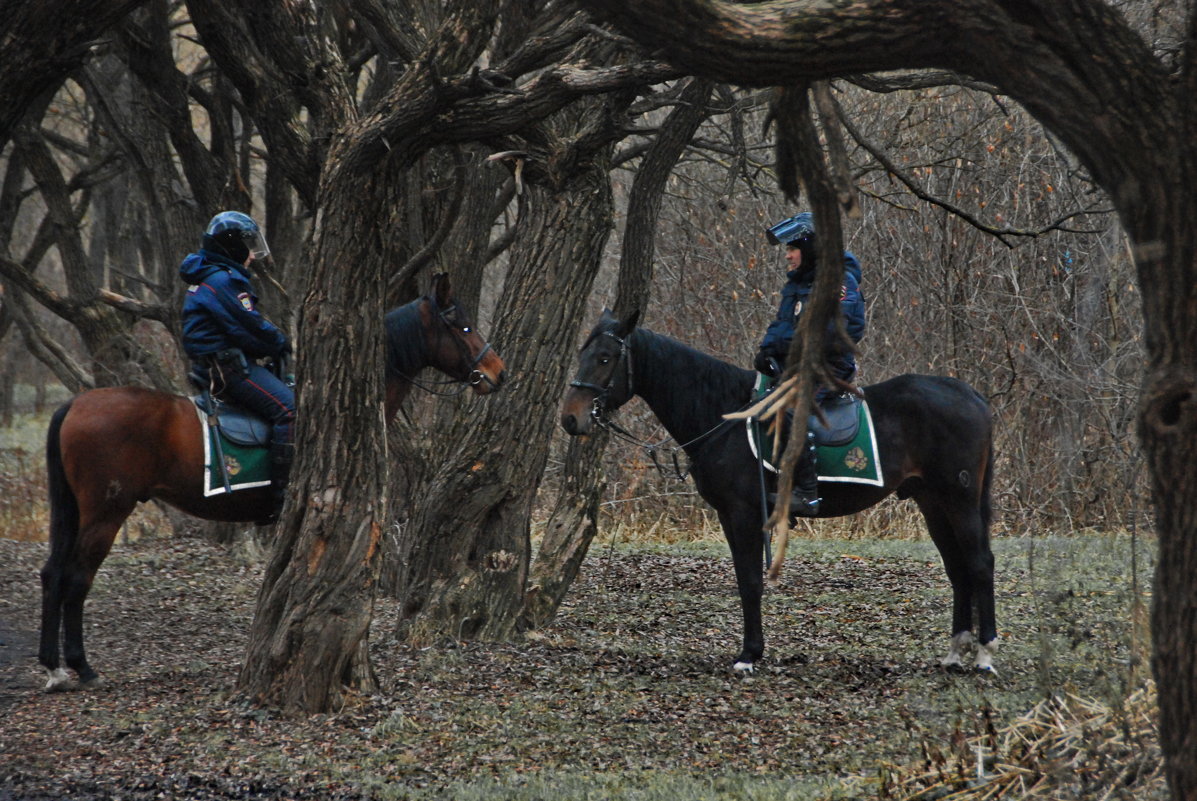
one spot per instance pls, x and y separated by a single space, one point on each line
23 513
1065 747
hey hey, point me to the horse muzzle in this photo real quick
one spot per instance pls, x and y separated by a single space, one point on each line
578 416
484 384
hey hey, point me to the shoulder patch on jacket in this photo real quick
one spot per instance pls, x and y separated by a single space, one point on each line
246 300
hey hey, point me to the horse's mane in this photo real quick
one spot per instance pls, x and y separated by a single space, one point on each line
692 378
405 340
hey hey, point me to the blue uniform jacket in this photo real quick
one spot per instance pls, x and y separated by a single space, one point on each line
220 310
794 294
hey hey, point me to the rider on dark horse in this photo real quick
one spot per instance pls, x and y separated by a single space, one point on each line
798 234
225 334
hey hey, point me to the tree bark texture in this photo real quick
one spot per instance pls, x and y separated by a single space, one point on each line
49 41
573 522
466 548
307 642
569 531
316 601
1132 120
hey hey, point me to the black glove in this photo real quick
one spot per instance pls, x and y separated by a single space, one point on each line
766 364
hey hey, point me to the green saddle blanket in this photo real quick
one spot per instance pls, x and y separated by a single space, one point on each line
855 462
246 466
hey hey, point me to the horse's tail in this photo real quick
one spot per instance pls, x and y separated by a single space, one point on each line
987 483
64 532
64 507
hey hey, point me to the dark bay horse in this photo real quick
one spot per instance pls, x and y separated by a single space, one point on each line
934 439
109 449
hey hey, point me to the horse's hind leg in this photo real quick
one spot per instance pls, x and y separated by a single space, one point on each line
95 541
74 576
47 653
959 532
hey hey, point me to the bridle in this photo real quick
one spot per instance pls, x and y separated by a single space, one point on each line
475 375
602 393
599 406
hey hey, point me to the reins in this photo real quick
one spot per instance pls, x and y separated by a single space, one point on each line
619 432
476 376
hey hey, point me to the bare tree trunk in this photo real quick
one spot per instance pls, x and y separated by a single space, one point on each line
467 546
573 523
571 527
307 641
1168 429
8 389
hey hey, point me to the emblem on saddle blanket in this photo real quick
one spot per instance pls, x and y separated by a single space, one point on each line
246 465
854 460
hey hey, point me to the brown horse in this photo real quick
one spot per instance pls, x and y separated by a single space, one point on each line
109 449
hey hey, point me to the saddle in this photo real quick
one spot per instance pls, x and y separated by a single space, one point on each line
238 425
841 413
843 420
846 441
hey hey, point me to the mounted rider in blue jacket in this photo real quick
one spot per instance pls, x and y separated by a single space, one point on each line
798 234
225 334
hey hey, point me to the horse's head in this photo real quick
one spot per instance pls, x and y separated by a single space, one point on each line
604 381
453 345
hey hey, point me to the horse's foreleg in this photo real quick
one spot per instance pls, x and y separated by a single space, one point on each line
746 541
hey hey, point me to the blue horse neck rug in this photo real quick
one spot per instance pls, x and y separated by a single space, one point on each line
246 466
855 461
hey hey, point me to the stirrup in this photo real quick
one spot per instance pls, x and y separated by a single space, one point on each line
804 504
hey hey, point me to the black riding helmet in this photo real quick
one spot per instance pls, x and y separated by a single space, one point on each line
235 235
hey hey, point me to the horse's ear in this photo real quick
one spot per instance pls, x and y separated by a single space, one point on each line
442 293
628 324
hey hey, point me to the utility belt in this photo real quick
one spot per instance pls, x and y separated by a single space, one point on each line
223 367
231 364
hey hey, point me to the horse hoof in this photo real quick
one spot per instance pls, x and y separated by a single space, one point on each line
59 681
744 668
984 660
94 683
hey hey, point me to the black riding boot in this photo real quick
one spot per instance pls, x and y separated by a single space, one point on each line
281 454
804 501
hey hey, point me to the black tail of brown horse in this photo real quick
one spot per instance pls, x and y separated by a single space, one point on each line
64 510
57 575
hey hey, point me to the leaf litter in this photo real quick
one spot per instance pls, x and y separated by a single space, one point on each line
631 680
